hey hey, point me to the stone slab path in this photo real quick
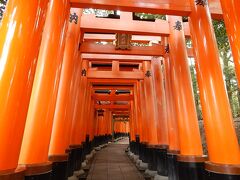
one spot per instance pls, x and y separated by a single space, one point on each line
112 163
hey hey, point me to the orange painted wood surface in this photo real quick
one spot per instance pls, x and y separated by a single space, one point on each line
169 7
111 57
173 137
160 101
39 122
112 37
61 123
92 24
151 117
189 134
114 75
79 122
112 97
112 107
213 95
21 25
94 48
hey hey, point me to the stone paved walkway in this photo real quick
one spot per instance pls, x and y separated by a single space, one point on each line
112 163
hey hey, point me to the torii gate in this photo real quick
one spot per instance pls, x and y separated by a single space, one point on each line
46 84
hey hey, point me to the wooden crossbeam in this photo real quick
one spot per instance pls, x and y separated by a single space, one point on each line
168 7
112 82
112 87
138 75
112 37
111 57
109 49
120 113
112 107
93 48
91 24
112 97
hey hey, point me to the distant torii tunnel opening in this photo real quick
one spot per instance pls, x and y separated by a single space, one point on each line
72 82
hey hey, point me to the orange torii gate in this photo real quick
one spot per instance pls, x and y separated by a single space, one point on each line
46 83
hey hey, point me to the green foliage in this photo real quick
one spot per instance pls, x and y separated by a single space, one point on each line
150 16
228 66
98 12
2 7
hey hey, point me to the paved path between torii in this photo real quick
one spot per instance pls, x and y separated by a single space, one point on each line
112 163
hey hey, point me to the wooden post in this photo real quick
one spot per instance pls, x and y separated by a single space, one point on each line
223 147
189 135
174 148
36 140
61 122
20 40
162 125
151 118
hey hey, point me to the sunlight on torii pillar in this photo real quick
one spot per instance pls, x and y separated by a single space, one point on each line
231 14
20 40
189 135
223 147
62 123
38 127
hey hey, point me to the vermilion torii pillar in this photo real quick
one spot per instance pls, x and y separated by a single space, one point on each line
223 147
88 120
145 128
20 40
78 132
132 123
137 107
160 102
36 140
231 14
161 114
62 123
137 117
191 153
151 118
171 114
173 137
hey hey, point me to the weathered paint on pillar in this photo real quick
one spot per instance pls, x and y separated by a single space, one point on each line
38 127
61 123
20 40
160 102
231 14
223 147
189 134
151 118
173 136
